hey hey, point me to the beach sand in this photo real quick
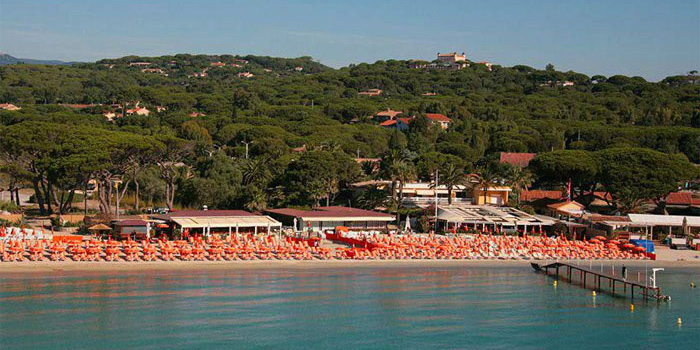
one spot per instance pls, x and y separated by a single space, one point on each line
12 268
665 258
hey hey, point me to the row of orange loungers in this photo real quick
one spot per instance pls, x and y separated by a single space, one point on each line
385 247
489 247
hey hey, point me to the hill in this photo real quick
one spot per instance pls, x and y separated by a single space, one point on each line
6 59
302 119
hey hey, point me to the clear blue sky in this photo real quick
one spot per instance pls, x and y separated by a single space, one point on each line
650 38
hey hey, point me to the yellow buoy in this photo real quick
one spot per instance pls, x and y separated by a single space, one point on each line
593 293
632 307
692 285
680 322
555 283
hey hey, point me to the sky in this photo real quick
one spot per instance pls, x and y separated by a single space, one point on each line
648 38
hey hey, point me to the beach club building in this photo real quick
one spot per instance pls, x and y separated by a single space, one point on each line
135 227
324 218
218 221
489 217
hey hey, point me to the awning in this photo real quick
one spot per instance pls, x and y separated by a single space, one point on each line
347 218
663 220
226 222
489 215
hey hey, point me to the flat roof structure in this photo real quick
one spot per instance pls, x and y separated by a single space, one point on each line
489 215
322 218
663 220
217 219
333 213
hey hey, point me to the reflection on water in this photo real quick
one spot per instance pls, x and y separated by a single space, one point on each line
385 307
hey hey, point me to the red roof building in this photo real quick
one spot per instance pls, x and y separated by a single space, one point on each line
201 213
9 107
682 198
440 119
533 195
389 114
518 159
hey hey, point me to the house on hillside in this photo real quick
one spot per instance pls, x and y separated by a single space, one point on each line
403 123
370 92
487 64
245 75
76 105
139 64
111 115
9 107
451 57
439 119
398 123
138 111
218 64
154 70
517 159
389 114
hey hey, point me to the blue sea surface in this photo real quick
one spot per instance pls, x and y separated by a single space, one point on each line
454 307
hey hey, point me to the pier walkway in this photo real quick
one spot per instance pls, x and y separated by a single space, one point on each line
600 279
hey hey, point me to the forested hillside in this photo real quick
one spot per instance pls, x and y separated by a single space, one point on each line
210 106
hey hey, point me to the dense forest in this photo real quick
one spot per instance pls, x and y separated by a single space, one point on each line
254 132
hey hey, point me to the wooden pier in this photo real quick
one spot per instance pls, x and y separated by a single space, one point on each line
600 279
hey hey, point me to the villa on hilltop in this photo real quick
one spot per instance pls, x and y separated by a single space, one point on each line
451 57
403 123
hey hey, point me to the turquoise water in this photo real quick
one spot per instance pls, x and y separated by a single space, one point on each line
330 308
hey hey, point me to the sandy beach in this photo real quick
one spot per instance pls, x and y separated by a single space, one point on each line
13 268
665 258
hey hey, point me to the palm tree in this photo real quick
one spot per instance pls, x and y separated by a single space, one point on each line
486 178
399 170
404 171
451 176
368 168
388 166
257 200
519 179
373 198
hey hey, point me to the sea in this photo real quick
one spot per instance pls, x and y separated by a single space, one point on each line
353 307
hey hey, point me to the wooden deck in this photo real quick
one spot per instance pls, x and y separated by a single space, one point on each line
599 280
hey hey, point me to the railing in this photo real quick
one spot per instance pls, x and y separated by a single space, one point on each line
428 200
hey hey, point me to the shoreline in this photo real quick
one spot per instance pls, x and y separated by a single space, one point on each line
41 267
